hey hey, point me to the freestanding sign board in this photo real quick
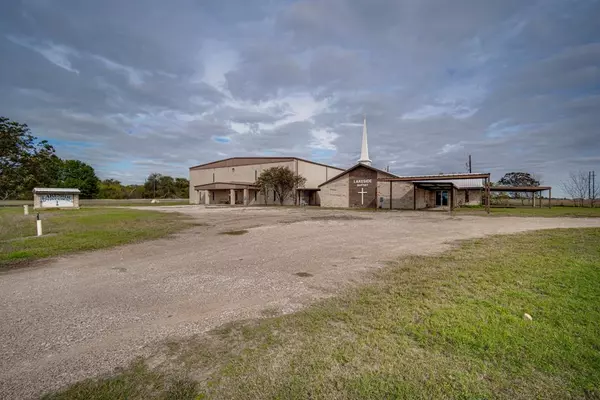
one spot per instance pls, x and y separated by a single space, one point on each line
55 198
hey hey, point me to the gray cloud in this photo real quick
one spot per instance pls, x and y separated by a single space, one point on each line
136 87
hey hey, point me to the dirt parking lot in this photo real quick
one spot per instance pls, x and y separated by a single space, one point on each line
82 315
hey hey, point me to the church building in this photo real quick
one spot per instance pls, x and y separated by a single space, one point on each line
364 186
232 181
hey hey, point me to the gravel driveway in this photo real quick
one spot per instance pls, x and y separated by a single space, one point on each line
82 315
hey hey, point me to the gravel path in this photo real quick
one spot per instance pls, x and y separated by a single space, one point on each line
82 315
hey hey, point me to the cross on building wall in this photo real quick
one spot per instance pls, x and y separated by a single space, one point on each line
362 196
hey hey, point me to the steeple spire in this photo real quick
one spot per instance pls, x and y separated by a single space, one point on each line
364 150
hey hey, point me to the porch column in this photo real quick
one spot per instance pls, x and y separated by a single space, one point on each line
246 196
207 197
232 197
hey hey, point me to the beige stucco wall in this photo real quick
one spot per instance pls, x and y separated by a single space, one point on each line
335 194
314 174
241 173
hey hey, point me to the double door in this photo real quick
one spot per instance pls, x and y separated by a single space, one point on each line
441 198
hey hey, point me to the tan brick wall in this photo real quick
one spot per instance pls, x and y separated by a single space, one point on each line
402 195
474 198
425 199
335 194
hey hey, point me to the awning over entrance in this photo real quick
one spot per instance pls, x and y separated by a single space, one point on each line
226 186
429 185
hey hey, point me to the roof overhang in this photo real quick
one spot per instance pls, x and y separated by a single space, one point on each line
55 191
434 185
447 177
225 186
519 188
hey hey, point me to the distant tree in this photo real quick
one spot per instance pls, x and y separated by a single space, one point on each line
134 191
182 187
578 188
111 189
165 187
519 179
79 175
25 161
151 186
281 180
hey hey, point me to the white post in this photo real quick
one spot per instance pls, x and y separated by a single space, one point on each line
26 210
39 225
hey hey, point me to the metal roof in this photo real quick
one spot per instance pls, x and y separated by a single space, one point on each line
55 190
472 183
441 177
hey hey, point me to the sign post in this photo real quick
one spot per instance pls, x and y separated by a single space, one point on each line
38 222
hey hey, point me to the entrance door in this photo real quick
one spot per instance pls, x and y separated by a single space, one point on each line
441 198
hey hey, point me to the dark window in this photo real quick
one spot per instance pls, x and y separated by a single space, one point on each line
213 176
213 194
255 193
255 174
466 196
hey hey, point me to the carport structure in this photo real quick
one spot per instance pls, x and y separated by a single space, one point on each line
440 185
526 189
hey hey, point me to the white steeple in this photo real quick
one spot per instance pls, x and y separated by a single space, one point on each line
364 150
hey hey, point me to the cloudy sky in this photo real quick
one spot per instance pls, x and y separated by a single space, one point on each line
134 87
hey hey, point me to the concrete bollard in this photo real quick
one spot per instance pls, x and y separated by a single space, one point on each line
25 210
39 225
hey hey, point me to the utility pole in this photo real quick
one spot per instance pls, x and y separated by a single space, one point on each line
593 187
469 165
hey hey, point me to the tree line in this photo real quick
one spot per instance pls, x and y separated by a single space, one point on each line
27 162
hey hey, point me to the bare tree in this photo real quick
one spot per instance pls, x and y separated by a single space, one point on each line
576 187
594 189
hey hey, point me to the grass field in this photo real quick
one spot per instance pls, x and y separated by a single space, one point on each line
534 212
76 230
448 326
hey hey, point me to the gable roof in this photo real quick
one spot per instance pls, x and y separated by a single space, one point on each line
239 161
353 168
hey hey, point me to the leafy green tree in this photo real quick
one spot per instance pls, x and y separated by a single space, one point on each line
281 180
165 187
25 161
111 189
519 179
79 175
182 187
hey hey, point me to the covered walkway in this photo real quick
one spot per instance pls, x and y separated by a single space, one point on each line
227 193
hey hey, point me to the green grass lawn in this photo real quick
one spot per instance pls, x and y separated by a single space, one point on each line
442 327
76 230
534 212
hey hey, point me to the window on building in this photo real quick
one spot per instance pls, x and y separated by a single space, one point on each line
213 195
213 177
232 169
466 196
255 175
